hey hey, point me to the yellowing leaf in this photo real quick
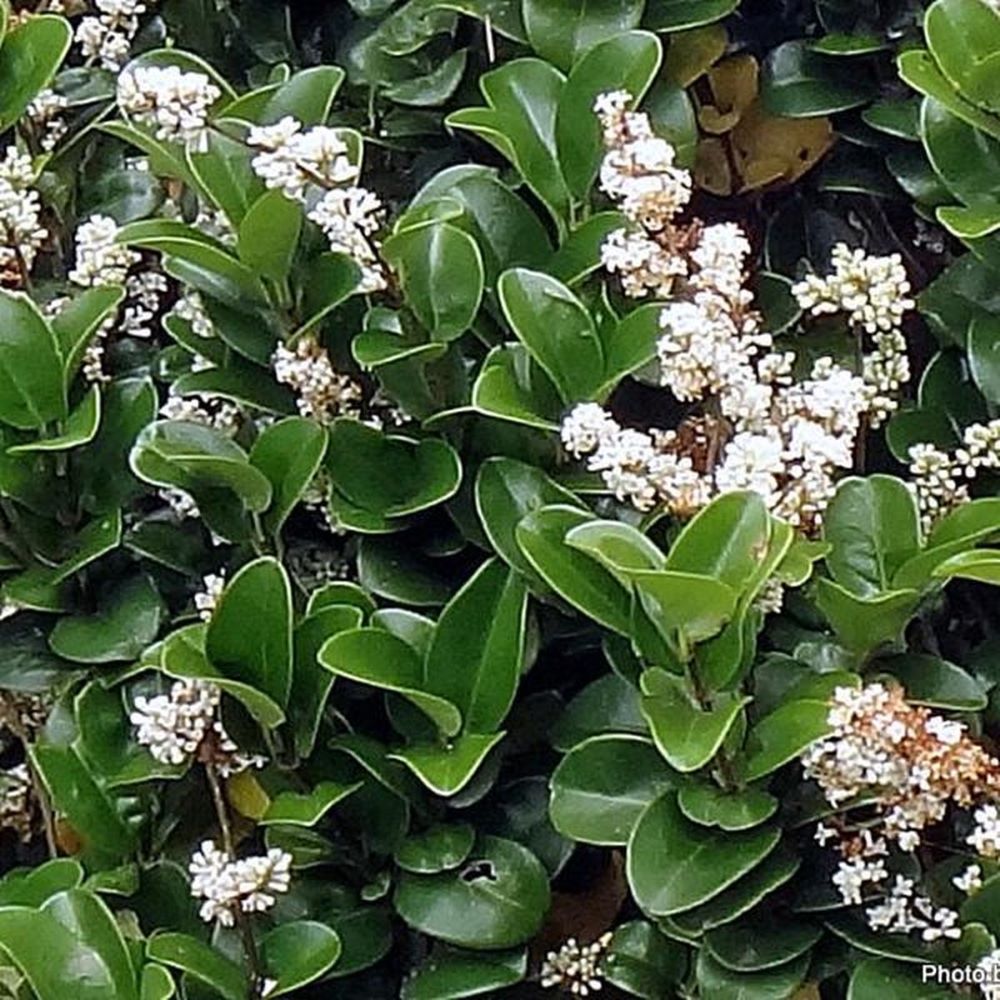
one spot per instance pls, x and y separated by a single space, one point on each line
692 52
735 84
246 796
711 168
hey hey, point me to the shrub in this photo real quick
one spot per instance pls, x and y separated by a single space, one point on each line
498 497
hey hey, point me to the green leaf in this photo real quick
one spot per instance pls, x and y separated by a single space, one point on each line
865 623
79 428
964 37
523 97
298 953
433 88
883 979
249 637
308 808
752 945
679 15
643 962
329 280
197 959
618 546
799 83
441 271
602 786
709 805
126 624
627 61
196 459
963 156
182 654
269 235
92 923
561 31
77 322
439 848
580 253
381 659
52 958
391 569
29 58
608 705
306 95
507 491
687 735
576 577
512 386
477 669
774 871
75 793
224 171
674 865
390 475
918 68
984 355
156 983
783 735
727 540
556 328
931 681
447 770
978 564
311 683
33 886
289 453
686 608
32 391
716 982
449 974
497 899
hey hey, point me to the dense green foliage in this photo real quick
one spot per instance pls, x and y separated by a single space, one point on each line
304 467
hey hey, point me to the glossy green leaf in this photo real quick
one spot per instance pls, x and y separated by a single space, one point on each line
497 899
298 953
679 15
562 31
865 623
799 83
477 669
200 960
32 391
449 769
441 270
783 735
450 974
249 637
674 865
930 680
269 235
576 577
628 61
709 805
306 808
439 848
643 962
374 656
602 786
688 735
29 58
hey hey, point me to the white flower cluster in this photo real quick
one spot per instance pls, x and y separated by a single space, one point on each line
322 392
17 809
182 505
314 167
21 233
787 440
184 724
107 35
941 479
100 258
144 297
190 307
639 171
913 763
207 599
228 885
970 880
174 103
988 969
788 446
985 836
206 410
45 115
903 910
874 292
575 968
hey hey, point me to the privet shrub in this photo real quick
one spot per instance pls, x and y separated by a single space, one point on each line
496 497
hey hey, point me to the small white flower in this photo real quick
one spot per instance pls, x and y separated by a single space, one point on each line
100 259
575 968
207 599
322 392
174 103
969 880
